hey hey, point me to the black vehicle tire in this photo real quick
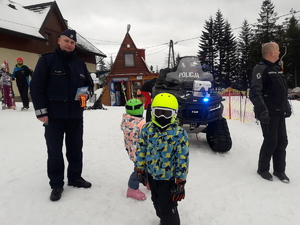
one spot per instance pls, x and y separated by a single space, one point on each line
218 136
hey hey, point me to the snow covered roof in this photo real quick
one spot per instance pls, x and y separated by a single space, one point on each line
14 17
85 45
28 20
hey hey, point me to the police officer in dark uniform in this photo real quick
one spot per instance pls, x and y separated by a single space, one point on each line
54 84
268 94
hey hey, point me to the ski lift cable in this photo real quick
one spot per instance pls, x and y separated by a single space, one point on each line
293 12
158 51
99 40
189 39
252 24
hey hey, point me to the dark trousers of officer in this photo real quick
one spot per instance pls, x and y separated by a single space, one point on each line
24 95
274 144
161 197
55 131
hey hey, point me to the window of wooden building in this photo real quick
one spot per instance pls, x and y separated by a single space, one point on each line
129 59
48 36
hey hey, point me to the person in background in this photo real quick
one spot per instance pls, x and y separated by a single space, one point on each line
5 86
146 90
131 125
21 73
162 152
138 94
268 94
54 85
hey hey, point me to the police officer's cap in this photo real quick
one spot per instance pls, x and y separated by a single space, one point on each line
70 34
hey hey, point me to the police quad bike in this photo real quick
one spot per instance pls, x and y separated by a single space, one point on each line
200 108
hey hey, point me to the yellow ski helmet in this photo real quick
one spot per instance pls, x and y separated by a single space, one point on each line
164 109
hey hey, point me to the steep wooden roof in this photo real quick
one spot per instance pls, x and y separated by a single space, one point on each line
128 47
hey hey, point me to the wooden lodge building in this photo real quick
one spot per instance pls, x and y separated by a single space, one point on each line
129 71
30 31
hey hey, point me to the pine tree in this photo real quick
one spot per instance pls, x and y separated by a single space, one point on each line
244 43
207 52
219 33
218 51
101 66
291 64
231 58
110 63
267 30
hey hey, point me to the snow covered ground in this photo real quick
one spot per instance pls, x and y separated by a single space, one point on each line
222 189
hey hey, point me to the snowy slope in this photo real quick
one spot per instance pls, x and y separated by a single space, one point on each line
222 189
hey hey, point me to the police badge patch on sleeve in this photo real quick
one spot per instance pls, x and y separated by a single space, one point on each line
258 76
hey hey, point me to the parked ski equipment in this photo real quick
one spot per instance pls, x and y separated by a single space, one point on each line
2 92
11 92
123 89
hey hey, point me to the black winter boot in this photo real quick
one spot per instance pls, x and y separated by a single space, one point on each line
282 176
266 175
80 183
56 194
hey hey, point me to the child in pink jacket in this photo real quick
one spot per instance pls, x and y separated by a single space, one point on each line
131 126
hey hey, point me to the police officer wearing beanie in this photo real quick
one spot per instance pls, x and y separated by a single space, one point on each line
54 84
268 94
22 73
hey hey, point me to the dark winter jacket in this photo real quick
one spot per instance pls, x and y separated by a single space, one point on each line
21 73
147 87
54 84
268 89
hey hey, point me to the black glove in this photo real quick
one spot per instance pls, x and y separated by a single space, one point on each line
264 117
288 111
141 176
177 191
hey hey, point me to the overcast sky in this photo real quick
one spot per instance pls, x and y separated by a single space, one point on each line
155 22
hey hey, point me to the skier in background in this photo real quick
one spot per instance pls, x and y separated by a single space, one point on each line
22 73
5 84
131 126
162 152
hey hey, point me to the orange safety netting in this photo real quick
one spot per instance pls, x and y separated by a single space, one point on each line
237 105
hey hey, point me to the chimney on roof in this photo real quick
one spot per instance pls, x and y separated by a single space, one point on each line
128 28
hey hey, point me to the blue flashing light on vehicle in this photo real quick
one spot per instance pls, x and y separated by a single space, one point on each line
205 99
